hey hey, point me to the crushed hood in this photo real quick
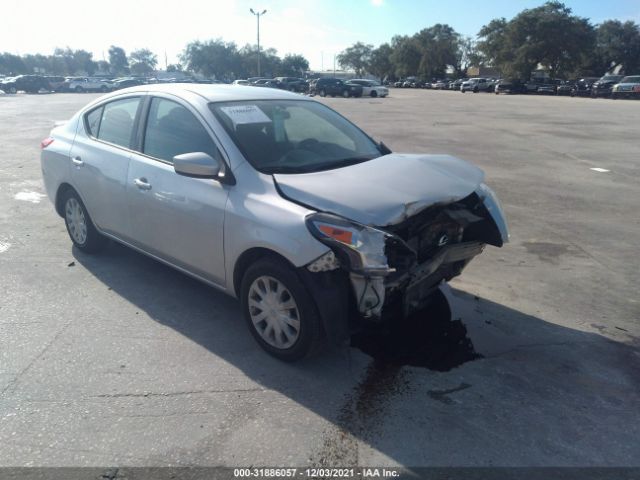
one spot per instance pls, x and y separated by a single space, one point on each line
386 190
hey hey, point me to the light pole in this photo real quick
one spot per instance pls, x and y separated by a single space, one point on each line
257 14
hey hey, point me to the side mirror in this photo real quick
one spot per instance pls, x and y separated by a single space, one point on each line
197 164
384 149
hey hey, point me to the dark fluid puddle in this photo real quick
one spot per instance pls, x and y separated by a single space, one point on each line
427 338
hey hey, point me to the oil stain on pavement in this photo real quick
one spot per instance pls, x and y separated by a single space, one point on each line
429 339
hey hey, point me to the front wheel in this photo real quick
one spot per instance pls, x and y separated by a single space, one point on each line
346 94
374 94
279 311
323 93
79 89
81 229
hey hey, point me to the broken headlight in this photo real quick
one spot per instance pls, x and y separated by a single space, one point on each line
359 247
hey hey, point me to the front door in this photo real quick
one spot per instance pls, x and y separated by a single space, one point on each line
177 218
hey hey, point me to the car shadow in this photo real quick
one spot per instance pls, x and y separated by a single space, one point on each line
512 373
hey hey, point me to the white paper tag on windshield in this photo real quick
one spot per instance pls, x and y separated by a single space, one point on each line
244 114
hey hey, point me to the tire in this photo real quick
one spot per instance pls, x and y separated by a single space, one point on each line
346 94
87 239
78 89
103 88
374 94
323 93
475 90
271 282
13 90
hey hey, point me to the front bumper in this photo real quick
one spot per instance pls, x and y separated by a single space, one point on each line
433 246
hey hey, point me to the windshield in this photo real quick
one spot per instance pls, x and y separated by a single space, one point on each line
630 80
293 136
611 78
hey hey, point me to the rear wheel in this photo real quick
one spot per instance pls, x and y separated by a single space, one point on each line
346 93
279 311
323 93
79 225
374 94
79 89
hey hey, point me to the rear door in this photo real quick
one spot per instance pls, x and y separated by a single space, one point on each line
100 160
177 218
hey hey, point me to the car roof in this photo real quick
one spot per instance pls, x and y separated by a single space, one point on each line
217 92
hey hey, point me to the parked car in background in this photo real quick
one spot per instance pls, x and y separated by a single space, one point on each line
293 84
604 86
511 86
582 86
55 82
533 84
370 88
549 86
125 82
240 82
25 83
440 85
266 83
475 85
86 84
492 82
322 227
456 84
628 87
335 87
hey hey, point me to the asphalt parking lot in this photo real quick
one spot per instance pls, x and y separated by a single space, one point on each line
117 360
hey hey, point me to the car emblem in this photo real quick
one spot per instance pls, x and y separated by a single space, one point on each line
443 240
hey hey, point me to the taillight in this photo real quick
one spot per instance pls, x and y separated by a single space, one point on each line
46 142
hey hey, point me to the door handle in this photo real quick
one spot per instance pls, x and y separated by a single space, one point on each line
77 161
142 184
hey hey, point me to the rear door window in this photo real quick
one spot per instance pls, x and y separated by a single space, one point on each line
116 121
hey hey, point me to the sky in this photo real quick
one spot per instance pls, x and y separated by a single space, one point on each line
316 29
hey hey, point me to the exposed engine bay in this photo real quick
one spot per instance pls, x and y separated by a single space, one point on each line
403 264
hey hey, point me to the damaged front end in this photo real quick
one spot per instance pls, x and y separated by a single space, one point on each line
404 263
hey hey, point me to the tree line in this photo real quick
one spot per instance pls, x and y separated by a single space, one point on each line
212 59
548 37
65 61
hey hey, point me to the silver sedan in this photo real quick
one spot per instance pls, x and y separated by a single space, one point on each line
273 198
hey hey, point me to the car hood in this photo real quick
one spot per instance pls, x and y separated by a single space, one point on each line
386 190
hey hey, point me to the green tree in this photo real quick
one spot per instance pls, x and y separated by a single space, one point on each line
294 65
357 57
270 63
143 61
618 44
406 55
439 47
548 36
118 60
380 63
174 68
468 56
11 64
212 58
